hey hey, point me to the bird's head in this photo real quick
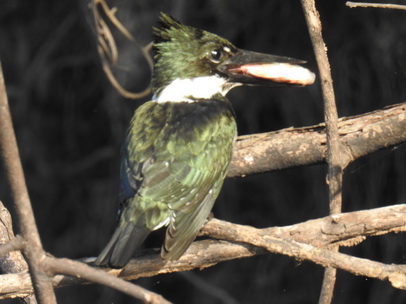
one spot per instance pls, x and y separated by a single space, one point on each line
194 64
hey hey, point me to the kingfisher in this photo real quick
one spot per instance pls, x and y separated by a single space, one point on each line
179 145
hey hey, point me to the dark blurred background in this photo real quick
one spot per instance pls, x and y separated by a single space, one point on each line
70 123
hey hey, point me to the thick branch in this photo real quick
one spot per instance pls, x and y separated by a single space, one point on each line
291 147
344 229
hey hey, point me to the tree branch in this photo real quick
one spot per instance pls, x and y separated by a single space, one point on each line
336 163
291 147
396 274
18 243
33 252
376 5
83 271
346 229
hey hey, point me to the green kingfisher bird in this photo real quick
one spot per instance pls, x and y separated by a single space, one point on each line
179 144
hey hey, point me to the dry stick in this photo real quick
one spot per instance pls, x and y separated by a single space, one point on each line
200 255
396 274
33 251
376 5
346 229
335 164
83 271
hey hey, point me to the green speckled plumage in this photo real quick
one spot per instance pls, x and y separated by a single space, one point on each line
173 165
187 150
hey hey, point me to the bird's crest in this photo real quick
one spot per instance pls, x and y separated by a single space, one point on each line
168 24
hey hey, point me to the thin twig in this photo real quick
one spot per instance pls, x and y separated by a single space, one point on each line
375 5
107 47
111 15
18 243
335 163
336 166
33 252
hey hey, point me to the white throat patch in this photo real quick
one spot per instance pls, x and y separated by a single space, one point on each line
190 90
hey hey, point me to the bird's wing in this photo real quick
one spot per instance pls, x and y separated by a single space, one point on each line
187 185
188 222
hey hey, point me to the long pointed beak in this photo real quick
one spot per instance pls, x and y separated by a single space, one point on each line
251 68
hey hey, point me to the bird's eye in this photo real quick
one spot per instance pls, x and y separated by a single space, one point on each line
216 55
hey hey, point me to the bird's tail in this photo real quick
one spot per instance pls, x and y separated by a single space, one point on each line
127 238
